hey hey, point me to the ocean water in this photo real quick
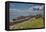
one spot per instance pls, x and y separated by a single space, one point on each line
17 9
17 13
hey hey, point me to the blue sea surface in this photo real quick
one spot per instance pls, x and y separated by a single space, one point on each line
17 10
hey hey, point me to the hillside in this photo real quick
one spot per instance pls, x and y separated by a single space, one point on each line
31 23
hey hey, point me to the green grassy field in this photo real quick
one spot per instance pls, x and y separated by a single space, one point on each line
31 23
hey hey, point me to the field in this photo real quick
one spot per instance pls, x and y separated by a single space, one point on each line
31 23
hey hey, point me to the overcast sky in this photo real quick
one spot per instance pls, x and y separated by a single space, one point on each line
17 9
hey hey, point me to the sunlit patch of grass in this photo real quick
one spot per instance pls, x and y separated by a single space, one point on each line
31 23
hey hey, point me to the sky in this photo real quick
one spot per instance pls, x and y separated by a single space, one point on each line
19 9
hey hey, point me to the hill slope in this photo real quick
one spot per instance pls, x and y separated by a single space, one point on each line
31 23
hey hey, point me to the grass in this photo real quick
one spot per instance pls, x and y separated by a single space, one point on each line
31 23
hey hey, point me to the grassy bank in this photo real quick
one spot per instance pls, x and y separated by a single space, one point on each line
31 23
